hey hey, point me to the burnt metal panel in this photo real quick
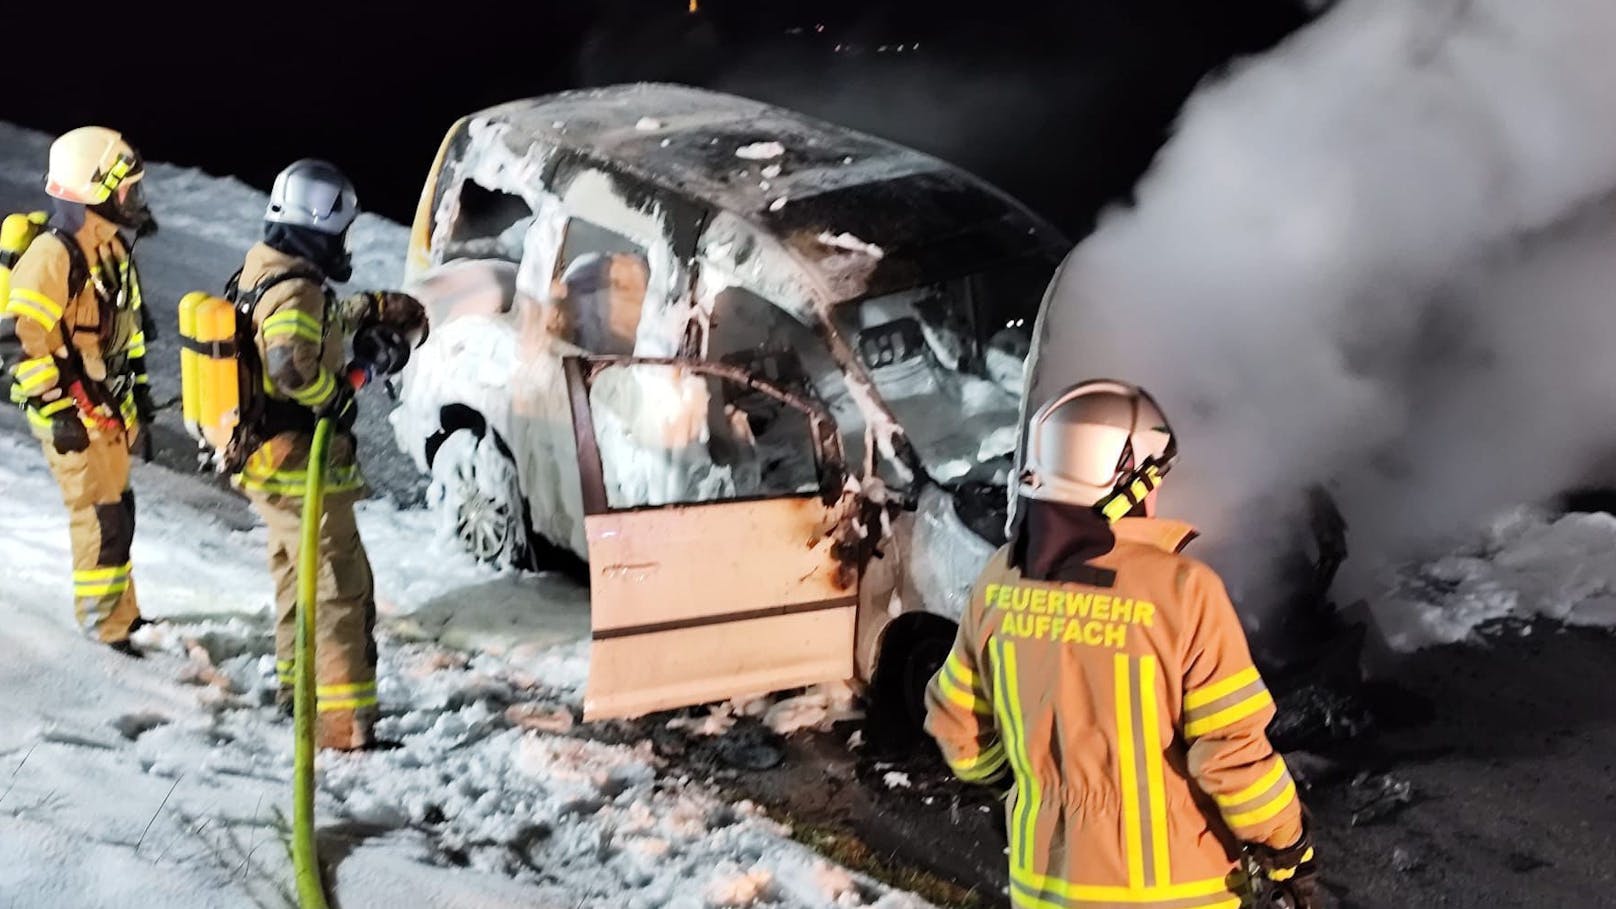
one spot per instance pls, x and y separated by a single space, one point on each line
591 479
934 220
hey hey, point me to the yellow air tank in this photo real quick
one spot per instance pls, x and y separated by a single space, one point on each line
218 389
16 232
191 351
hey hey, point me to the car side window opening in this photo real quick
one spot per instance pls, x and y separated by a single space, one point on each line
673 436
487 224
948 360
749 332
601 281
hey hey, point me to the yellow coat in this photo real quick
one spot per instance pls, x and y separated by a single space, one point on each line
1132 720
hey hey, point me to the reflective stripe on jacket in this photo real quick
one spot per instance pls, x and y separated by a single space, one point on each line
101 325
1132 720
299 335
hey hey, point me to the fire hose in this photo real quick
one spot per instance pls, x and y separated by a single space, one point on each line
368 361
305 857
305 852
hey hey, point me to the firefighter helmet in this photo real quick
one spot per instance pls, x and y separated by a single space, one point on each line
89 164
1101 443
313 194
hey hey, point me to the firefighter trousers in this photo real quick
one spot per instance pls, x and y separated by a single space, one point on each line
101 522
344 615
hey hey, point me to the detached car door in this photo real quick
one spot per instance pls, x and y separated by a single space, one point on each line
714 511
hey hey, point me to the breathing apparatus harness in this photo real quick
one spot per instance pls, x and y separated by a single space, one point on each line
228 409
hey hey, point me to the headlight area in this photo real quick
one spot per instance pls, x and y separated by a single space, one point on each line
946 555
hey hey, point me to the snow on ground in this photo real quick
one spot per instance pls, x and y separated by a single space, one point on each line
819 707
1525 564
169 776
760 151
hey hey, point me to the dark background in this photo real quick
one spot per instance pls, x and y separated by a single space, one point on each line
1062 104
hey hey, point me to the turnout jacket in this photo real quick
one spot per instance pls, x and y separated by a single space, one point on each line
1131 717
299 328
95 336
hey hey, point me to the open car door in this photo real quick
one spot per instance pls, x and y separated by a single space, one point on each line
713 505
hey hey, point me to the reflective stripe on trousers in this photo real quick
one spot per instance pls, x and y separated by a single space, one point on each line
345 608
343 696
94 485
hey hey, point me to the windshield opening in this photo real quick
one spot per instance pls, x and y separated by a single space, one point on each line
948 359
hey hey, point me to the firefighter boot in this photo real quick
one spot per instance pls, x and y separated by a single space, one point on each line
346 730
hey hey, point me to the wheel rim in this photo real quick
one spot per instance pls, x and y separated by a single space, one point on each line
479 495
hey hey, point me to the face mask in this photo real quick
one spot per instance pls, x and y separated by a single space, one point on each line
131 212
135 213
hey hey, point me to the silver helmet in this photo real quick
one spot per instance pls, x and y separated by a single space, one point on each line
315 195
1101 443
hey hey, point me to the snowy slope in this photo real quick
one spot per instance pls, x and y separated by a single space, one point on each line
167 776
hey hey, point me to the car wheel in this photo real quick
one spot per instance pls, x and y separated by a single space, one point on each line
478 499
924 658
915 649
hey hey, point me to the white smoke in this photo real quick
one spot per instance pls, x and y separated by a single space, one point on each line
1382 256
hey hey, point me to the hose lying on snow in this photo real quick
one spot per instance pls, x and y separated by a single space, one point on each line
305 855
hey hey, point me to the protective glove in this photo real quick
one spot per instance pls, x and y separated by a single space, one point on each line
380 349
342 409
146 413
68 434
395 309
1284 878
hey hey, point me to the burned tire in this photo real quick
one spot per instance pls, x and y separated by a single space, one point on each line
924 658
915 648
477 496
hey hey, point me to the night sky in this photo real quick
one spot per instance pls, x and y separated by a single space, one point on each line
1061 105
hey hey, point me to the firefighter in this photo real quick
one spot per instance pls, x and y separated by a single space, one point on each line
1108 677
299 328
76 311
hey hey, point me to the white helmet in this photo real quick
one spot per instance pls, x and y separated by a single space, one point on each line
89 163
313 194
1101 443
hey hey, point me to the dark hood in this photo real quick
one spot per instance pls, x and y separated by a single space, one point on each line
327 252
1054 542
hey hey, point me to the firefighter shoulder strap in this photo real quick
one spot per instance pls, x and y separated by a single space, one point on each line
17 233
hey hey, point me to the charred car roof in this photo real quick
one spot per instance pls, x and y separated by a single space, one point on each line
932 220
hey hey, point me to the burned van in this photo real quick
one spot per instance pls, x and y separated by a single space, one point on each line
762 373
